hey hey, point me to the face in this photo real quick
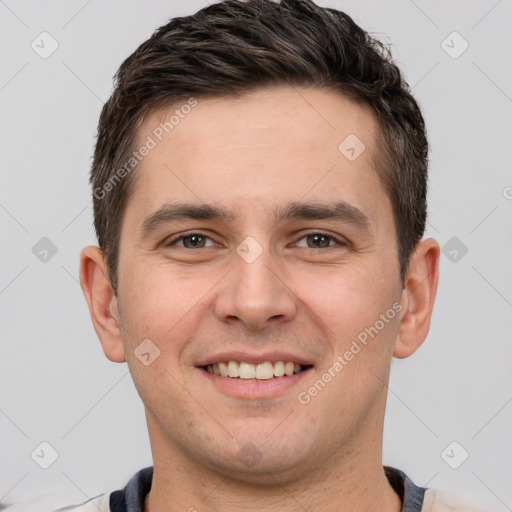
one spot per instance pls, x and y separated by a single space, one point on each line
251 237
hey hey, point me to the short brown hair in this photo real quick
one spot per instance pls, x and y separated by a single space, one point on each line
234 47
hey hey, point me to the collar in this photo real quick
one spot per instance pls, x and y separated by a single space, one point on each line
131 498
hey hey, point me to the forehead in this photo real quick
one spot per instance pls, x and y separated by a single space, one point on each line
259 150
308 117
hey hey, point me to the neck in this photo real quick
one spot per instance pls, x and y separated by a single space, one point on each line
352 481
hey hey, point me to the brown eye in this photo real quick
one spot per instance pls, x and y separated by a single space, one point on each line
320 241
192 241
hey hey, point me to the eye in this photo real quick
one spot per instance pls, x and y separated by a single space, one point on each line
320 241
314 240
191 241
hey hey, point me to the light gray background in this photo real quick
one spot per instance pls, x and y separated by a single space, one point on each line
58 387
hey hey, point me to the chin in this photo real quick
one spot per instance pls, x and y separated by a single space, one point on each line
273 465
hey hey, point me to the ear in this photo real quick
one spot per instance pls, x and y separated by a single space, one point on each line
102 302
418 298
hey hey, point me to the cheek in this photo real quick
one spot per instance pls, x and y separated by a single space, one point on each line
348 308
160 312
356 306
346 299
161 304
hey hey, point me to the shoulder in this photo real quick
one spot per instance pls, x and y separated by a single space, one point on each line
441 501
134 492
61 503
422 499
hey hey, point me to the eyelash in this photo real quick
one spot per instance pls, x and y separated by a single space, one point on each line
198 233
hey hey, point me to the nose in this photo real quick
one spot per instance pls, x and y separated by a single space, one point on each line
255 295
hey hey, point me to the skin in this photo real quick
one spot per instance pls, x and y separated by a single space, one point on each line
252 154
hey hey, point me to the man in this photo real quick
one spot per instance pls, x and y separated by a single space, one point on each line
259 186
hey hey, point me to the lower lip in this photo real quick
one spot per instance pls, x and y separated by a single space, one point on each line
252 389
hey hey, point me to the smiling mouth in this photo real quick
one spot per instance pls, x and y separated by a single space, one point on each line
248 371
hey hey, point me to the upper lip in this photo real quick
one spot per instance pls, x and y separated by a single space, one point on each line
254 358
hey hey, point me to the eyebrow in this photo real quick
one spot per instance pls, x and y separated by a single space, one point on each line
172 212
175 211
339 211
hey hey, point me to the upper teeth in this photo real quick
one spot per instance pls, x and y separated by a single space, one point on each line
263 371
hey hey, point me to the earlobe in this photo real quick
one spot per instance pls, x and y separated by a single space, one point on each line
102 303
418 298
